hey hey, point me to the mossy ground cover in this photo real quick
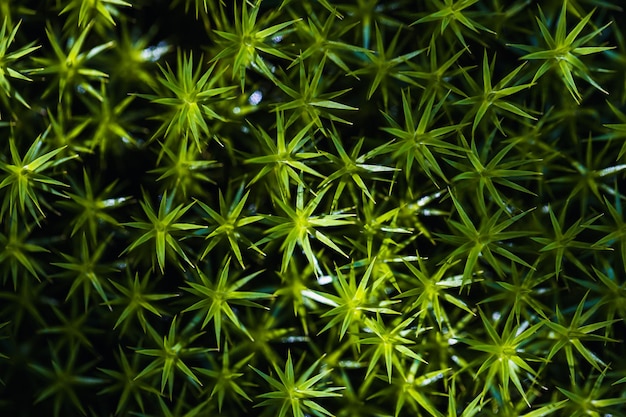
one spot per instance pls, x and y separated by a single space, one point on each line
312 208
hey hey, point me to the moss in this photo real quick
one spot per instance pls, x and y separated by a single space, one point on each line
314 207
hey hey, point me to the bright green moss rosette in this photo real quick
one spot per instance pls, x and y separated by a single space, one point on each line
312 208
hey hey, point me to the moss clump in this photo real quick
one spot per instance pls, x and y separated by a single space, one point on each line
312 207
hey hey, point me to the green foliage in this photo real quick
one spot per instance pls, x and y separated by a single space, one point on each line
95 10
483 175
3 356
161 228
483 242
389 344
228 224
62 380
86 270
215 299
312 208
491 97
415 142
385 64
564 50
137 299
297 394
244 43
588 400
284 158
426 290
308 100
25 178
123 379
505 357
70 65
168 357
226 376
7 37
91 210
300 225
17 253
352 301
453 15
192 93
570 336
